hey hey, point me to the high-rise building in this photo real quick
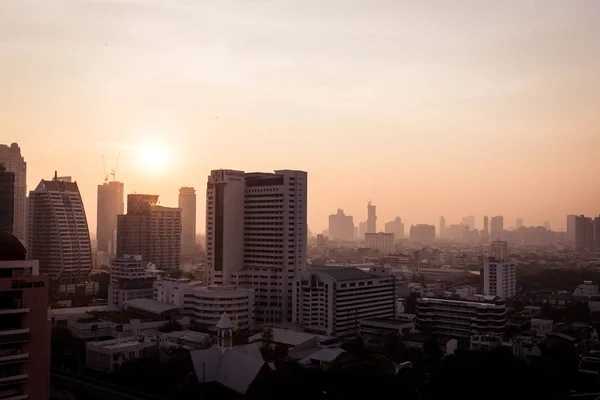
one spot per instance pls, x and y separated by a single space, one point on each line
25 333
7 200
571 218
499 278
14 162
519 223
129 280
383 242
499 250
341 226
187 204
150 230
497 227
58 231
469 222
110 204
362 229
584 232
256 235
396 227
486 224
422 233
442 232
371 218
597 232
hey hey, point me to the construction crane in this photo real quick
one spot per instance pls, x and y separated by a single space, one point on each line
114 170
105 174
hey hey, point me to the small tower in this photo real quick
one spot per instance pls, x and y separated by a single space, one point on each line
225 332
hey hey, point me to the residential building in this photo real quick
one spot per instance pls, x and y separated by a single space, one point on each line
108 355
422 233
446 344
150 230
341 226
396 227
486 225
571 220
187 204
499 278
586 289
256 235
497 227
461 318
382 242
377 331
90 327
334 301
58 232
499 250
7 200
371 218
206 305
110 205
128 280
25 327
14 162
173 290
584 233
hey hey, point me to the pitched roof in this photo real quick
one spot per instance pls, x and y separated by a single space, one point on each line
225 322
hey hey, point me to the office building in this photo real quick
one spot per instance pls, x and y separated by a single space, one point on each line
571 218
382 242
58 232
422 233
519 223
459 319
341 226
256 235
14 162
110 205
497 227
584 233
150 230
187 204
129 280
334 301
396 227
469 222
7 200
371 218
206 305
25 332
442 232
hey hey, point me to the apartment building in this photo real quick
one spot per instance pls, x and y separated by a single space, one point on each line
382 242
129 280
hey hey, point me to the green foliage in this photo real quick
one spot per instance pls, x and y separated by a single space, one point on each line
171 326
267 338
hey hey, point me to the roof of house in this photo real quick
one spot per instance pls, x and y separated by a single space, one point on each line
151 305
225 322
323 355
286 337
346 274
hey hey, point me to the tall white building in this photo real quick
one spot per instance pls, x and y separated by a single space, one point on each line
334 301
58 231
371 218
14 162
499 278
256 235
128 280
383 242
499 250
187 204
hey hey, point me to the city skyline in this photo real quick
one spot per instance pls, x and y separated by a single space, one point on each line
298 84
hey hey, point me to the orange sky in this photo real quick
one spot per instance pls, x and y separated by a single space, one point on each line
428 108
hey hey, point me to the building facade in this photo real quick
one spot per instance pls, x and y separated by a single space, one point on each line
173 290
128 280
110 205
334 301
382 242
496 227
461 318
584 233
396 227
14 162
206 305
187 204
500 278
7 200
25 332
371 218
341 226
59 236
150 230
422 233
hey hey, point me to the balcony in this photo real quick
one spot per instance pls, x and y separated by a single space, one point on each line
18 335
14 379
13 310
14 396
13 357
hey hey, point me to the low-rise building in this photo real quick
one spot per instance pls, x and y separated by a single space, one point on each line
172 291
376 331
108 355
418 340
128 280
98 328
382 242
541 327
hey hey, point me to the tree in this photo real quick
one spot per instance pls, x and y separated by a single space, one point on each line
267 337
170 326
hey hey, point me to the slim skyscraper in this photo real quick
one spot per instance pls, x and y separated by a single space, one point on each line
497 227
571 218
58 231
584 232
150 230
187 204
14 162
486 224
7 200
110 204
442 226
371 218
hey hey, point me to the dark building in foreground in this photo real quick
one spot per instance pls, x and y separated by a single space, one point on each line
7 200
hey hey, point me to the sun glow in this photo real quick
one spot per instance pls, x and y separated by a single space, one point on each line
153 157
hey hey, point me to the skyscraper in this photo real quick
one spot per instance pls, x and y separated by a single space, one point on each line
58 231
396 227
14 162
497 227
7 200
341 226
442 227
256 235
422 233
110 204
571 218
371 218
584 232
150 230
469 222
187 204
597 232
486 226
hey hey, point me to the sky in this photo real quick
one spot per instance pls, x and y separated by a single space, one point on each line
428 108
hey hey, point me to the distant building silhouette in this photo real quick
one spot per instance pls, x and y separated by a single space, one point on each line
110 205
422 233
341 226
584 232
571 220
469 222
371 218
396 227
187 204
519 222
14 162
7 200
150 230
442 232
382 242
58 231
497 227
362 229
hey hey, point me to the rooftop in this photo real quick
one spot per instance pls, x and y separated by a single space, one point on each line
346 274
386 321
286 337
151 305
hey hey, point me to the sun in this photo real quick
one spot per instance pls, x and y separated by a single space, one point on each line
153 157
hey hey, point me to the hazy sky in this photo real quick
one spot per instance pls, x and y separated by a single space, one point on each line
428 108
